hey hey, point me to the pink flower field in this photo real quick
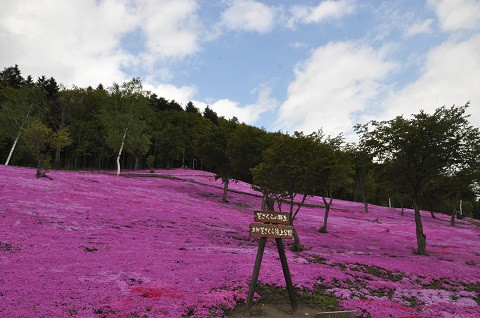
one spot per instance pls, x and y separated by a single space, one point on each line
90 244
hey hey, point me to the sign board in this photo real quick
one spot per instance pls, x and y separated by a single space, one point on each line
271 230
272 217
273 225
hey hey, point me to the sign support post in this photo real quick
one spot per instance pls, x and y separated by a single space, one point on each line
286 273
274 224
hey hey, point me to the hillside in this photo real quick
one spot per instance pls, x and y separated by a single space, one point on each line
89 244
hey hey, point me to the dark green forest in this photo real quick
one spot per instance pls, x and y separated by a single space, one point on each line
428 161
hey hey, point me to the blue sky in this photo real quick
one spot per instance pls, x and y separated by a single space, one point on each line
283 65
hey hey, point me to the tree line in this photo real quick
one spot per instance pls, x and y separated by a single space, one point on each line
428 161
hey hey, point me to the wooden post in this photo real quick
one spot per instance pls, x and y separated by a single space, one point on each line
286 273
256 271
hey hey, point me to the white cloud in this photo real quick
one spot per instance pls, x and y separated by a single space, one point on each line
77 42
337 80
181 95
419 27
457 14
80 42
325 10
248 15
249 113
171 27
450 76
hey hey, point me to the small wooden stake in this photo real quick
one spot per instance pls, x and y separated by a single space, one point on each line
286 273
256 271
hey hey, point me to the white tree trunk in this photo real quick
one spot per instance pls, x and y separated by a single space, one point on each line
13 148
120 151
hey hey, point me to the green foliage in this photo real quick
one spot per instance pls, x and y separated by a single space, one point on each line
19 107
61 139
244 150
37 137
210 114
212 148
421 150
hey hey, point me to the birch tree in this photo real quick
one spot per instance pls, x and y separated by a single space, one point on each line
124 115
19 108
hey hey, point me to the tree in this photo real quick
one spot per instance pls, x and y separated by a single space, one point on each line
420 149
170 141
364 173
125 116
11 77
212 150
60 139
190 108
330 171
37 137
244 150
210 114
286 171
19 108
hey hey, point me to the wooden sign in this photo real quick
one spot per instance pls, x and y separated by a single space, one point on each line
272 217
273 225
271 230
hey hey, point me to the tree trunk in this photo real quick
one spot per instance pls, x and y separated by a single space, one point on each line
421 238
296 247
225 188
452 220
40 162
403 210
365 203
461 210
120 151
57 158
13 148
433 215
323 229
136 163
268 203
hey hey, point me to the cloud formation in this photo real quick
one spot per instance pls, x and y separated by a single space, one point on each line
76 41
248 15
457 14
325 10
419 28
337 80
80 42
449 76
171 27
249 113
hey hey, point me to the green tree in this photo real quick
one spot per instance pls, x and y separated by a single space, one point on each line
18 109
364 174
124 117
212 148
210 114
420 149
12 77
190 108
244 150
286 171
37 137
331 170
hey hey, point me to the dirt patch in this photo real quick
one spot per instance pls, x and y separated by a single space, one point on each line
274 302
284 310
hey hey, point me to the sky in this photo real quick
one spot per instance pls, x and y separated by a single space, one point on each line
282 65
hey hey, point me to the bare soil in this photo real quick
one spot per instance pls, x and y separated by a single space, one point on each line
279 310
